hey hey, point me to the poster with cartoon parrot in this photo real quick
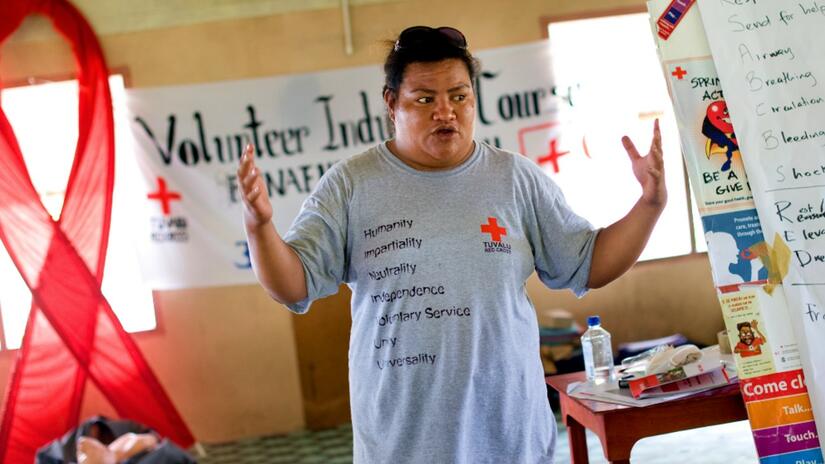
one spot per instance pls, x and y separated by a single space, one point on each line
719 132
716 171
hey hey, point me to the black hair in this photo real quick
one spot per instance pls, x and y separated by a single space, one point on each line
436 47
742 325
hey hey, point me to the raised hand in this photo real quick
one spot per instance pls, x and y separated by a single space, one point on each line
620 244
276 265
649 169
257 208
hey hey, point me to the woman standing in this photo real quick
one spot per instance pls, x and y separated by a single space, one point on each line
436 235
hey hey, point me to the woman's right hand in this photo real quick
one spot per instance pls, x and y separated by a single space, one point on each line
277 266
255 197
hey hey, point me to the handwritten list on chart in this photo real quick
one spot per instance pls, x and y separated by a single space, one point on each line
773 76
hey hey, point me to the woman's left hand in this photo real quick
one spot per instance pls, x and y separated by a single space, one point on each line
649 169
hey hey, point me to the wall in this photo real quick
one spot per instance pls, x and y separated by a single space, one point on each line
652 300
235 363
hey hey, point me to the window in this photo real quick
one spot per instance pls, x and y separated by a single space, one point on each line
615 86
52 108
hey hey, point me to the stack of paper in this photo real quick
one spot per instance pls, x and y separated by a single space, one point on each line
713 370
702 374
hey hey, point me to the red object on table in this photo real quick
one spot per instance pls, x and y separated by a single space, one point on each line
620 427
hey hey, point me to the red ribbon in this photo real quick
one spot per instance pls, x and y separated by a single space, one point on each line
72 332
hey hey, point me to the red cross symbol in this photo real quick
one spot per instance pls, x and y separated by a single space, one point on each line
493 229
553 156
679 73
164 196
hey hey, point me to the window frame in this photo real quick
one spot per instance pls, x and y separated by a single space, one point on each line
544 25
125 74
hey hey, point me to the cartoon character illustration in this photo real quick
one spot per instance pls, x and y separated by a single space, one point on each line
723 253
757 255
719 131
749 344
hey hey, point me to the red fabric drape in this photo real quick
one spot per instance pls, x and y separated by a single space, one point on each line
72 332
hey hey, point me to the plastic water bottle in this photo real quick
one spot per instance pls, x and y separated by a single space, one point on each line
598 353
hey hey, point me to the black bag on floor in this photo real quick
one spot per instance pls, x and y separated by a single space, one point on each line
64 449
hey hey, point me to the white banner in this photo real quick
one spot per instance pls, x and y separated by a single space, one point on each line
188 138
773 73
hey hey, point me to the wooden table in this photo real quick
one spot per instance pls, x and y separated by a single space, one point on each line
620 427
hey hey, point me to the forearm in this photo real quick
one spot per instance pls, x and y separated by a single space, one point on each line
619 245
276 265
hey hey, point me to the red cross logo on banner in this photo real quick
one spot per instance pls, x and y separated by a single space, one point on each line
542 143
164 196
72 334
493 229
553 155
679 73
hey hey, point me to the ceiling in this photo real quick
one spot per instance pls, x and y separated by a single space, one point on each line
119 16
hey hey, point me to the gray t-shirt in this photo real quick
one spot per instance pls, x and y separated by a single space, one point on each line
444 350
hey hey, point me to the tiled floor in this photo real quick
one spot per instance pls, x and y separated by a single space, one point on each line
333 446
722 444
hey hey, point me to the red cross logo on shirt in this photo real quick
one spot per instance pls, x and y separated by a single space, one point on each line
493 229
164 196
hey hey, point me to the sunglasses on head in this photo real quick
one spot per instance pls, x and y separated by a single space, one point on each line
420 35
